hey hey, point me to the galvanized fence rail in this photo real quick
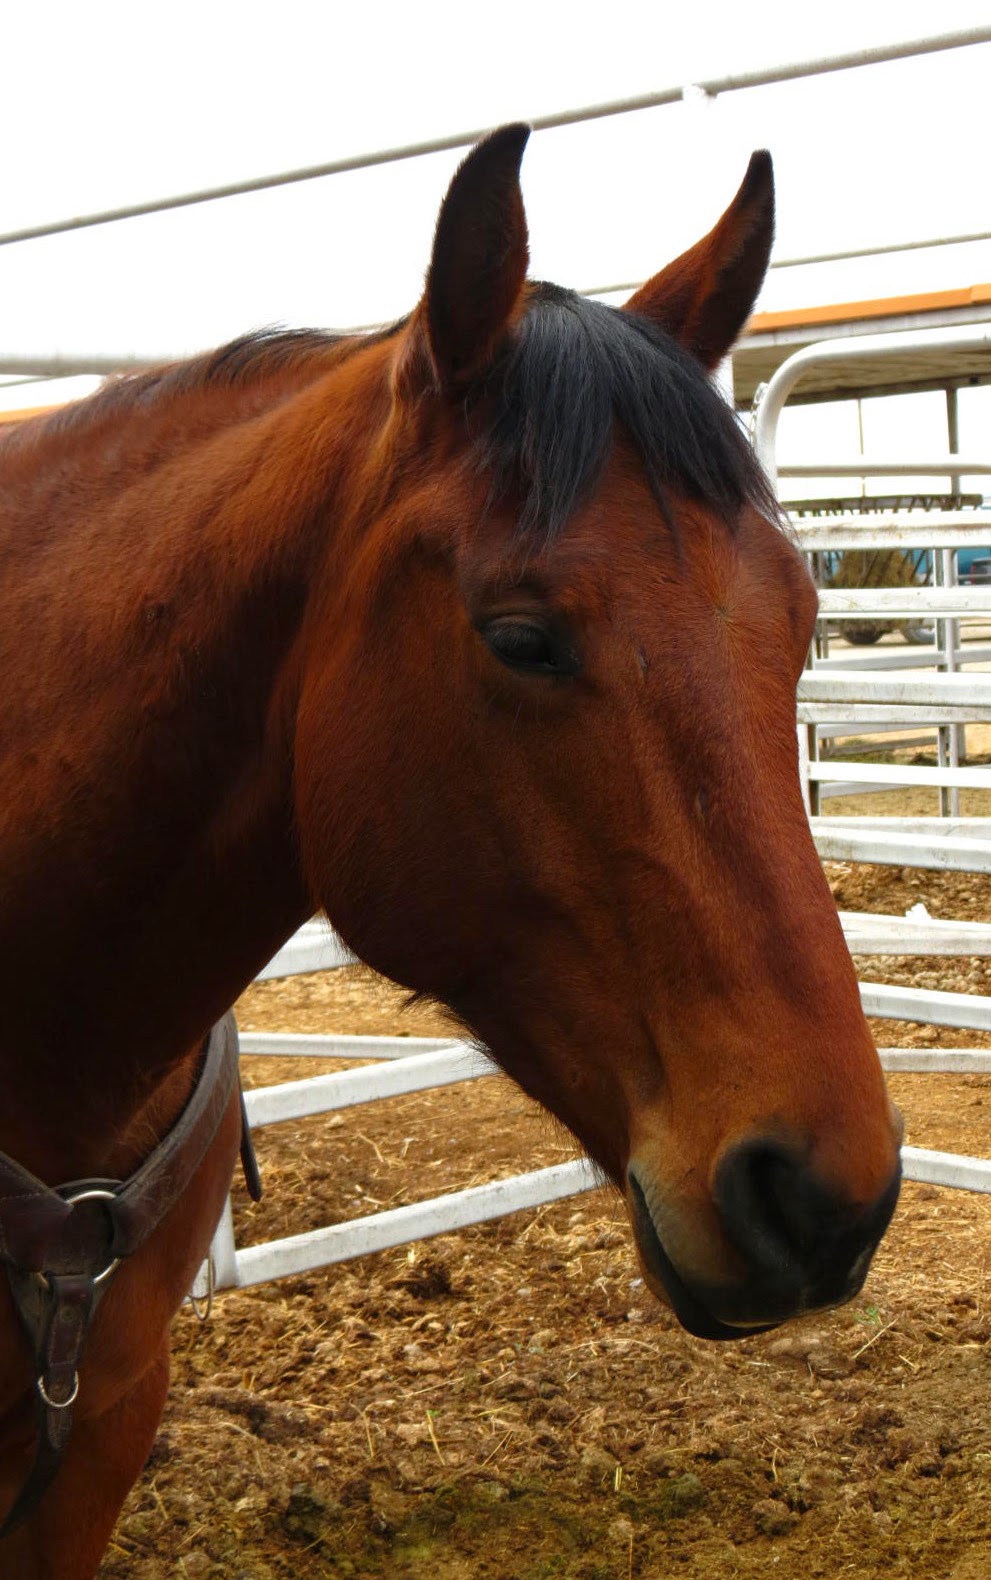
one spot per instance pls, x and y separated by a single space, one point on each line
940 694
49 363
405 1064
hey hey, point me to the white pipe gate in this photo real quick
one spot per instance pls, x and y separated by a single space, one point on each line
406 1064
864 697
402 1065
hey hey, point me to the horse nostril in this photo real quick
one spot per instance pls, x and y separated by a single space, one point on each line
787 1222
751 1192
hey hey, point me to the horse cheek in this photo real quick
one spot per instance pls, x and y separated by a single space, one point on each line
389 847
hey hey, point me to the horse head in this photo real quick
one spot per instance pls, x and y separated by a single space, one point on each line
546 760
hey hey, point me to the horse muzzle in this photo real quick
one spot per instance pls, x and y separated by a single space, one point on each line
793 1243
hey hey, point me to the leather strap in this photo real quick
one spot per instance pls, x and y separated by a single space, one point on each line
56 1314
249 1163
60 1246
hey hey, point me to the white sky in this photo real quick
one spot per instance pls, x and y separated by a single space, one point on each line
110 102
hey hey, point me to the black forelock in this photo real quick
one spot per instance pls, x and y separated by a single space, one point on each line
575 369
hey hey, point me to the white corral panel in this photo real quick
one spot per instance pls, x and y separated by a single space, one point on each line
837 840
929 1061
269 1105
970 694
314 948
870 933
301 1253
928 1006
904 603
939 529
946 1168
896 774
302 1045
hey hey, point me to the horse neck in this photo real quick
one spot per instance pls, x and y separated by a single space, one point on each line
152 860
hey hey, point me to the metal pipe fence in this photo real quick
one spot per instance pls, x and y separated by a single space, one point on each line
674 93
56 365
858 348
863 699
403 1065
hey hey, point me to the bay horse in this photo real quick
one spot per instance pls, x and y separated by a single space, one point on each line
482 634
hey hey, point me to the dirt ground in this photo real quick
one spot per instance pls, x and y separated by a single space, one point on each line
508 1402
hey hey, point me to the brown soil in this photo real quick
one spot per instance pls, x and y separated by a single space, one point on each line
507 1402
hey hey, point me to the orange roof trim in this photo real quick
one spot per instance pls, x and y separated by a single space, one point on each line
882 307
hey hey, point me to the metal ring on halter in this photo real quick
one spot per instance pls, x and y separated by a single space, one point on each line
59 1404
194 1300
96 1195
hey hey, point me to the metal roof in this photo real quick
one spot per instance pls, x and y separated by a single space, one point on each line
770 338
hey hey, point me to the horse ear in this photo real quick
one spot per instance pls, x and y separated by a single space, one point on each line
479 259
703 298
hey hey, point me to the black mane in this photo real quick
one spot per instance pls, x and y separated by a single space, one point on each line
255 356
575 369
264 353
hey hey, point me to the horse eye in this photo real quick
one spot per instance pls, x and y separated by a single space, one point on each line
522 645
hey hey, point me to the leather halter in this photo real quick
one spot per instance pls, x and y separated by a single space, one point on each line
61 1244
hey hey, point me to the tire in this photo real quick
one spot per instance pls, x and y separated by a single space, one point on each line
861 635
